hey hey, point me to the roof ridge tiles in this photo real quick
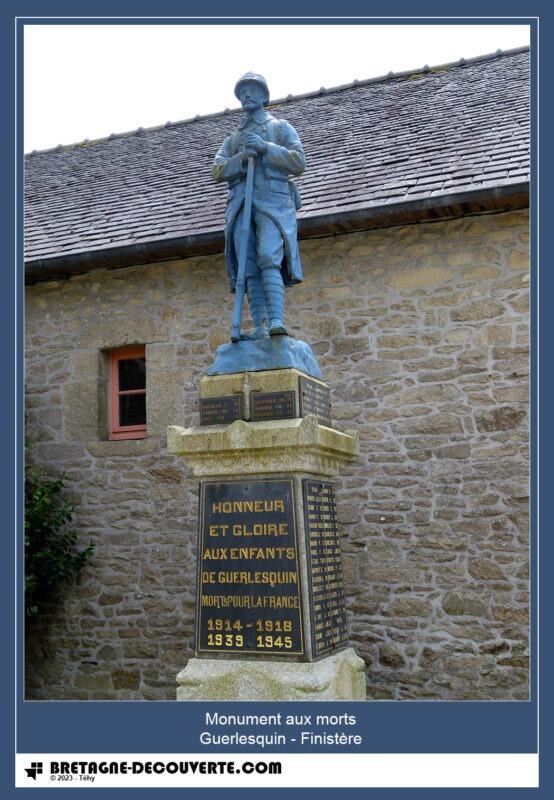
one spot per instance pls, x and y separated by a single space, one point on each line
425 71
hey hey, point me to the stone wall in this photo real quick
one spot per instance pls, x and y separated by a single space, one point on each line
422 334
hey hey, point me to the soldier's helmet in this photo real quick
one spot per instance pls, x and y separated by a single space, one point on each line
255 78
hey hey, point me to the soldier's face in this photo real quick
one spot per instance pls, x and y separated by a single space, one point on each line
251 95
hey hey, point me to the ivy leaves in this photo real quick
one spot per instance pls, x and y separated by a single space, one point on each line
51 557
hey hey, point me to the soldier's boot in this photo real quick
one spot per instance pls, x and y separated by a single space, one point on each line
274 293
256 303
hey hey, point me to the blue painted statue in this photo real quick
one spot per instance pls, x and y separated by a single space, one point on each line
261 250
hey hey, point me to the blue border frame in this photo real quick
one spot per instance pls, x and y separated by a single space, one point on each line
392 727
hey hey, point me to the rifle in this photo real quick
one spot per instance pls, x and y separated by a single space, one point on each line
243 252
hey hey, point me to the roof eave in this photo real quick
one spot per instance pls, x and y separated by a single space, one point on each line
474 201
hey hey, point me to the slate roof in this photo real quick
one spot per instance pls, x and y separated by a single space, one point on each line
413 137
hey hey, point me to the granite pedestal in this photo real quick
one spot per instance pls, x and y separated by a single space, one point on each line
270 617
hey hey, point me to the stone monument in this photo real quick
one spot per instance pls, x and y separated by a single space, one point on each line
270 611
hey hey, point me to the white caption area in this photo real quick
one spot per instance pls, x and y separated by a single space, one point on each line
487 770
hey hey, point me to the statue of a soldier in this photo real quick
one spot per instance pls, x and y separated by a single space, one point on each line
267 151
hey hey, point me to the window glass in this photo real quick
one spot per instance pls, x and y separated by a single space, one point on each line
132 374
132 409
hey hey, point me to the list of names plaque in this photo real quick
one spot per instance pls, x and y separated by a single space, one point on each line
220 410
248 591
272 405
315 398
327 600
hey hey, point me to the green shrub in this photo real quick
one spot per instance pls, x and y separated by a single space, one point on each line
50 555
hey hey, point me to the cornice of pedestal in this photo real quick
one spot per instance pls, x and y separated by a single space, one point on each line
275 446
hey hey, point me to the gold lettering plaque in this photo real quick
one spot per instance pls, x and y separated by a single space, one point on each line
248 583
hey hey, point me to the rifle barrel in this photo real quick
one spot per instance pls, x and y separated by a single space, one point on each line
243 252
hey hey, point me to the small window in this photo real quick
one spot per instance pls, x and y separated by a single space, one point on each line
128 393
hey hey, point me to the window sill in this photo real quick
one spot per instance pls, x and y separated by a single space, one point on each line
119 435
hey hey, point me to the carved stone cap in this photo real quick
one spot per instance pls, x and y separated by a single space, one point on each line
248 448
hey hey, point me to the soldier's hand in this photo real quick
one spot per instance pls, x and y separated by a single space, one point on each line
246 153
254 142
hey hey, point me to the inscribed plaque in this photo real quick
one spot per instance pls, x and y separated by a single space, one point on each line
248 590
327 600
220 410
272 405
315 398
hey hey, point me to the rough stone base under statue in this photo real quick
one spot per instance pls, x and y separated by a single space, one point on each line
338 677
276 352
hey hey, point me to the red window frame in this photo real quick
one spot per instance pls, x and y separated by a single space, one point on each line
116 430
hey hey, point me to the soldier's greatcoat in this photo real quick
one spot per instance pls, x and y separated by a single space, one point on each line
273 195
